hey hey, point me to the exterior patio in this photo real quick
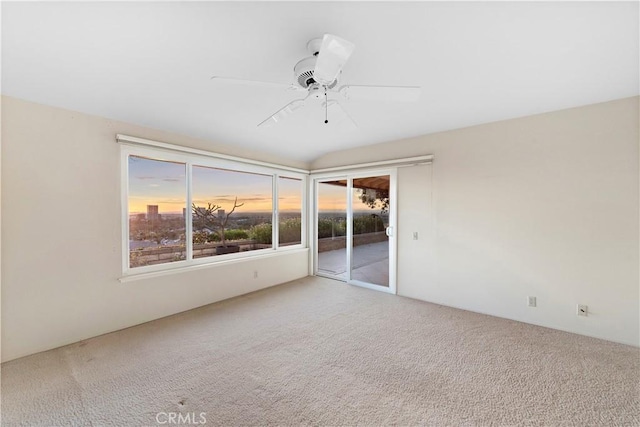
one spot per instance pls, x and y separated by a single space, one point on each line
370 263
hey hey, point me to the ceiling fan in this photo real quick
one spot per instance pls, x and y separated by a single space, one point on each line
318 75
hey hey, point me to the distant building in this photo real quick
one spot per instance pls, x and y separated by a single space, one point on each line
140 217
184 213
152 212
221 213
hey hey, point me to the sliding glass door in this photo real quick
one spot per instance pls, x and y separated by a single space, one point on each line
331 229
370 225
355 222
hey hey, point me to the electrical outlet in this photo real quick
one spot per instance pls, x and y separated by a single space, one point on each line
255 274
531 301
415 235
582 310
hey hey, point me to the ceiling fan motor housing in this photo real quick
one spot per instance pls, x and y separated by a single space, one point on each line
303 72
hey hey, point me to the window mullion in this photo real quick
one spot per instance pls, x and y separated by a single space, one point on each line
124 186
188 215
276 215
304 212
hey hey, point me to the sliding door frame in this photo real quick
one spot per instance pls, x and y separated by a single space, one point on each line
349 175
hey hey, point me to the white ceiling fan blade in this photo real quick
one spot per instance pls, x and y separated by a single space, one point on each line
333 54
283 113
228 80
381 93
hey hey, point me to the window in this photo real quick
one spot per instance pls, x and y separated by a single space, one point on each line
289 211
184 209
157 196
231 211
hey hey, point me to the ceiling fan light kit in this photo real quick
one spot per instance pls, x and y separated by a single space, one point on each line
318 75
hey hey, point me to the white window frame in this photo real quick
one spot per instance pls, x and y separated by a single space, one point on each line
131 146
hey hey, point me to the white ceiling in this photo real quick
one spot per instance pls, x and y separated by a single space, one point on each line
150 63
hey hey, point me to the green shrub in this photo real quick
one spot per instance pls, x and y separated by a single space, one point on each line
331 227
236 234
200 237
261 233
367 224
289 230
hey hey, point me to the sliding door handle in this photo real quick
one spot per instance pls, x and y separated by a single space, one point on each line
389 231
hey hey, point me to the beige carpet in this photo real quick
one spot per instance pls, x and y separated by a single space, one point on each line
319 352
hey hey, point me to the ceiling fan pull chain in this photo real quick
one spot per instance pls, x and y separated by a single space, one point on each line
326 106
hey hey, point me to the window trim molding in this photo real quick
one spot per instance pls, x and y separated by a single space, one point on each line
132 140
405 161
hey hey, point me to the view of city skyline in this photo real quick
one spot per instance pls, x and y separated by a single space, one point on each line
232 211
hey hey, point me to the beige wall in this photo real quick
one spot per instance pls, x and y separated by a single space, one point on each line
545 205
61 235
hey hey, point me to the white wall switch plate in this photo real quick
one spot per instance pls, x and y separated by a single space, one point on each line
531 301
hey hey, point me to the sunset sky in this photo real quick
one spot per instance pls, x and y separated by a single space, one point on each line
334 198
153 182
